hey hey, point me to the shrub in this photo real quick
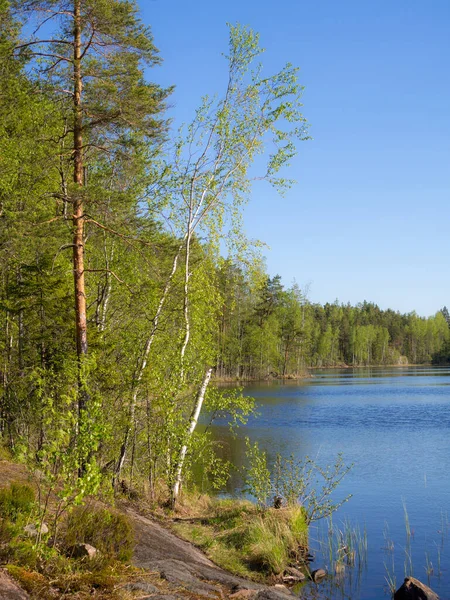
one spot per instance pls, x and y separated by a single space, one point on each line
110 532
16 500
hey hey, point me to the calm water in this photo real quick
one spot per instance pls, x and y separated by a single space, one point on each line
394 425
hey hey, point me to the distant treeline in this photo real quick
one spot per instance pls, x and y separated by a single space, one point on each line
269 330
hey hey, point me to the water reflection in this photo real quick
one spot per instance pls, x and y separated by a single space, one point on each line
394 425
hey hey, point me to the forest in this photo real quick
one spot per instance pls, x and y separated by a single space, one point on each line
127 285
274 331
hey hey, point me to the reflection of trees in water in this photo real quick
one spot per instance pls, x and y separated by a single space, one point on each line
273 441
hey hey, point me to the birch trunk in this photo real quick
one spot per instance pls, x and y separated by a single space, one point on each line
143 365
191 428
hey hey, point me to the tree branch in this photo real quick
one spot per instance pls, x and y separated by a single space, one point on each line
43 42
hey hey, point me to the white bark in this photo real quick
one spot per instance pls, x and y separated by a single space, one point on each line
191 428
143 364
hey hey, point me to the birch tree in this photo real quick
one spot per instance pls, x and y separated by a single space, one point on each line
206 181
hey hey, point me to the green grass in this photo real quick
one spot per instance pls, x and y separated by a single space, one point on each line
15 500
109 531
247 541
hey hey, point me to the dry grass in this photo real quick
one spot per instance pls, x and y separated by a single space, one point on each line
242 539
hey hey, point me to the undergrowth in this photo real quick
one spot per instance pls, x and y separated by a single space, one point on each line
45 569
247 541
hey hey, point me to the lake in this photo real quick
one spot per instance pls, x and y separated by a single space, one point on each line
394 425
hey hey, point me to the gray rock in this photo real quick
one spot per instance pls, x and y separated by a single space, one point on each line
413 589
243 594
181 574
33 531
276 592
82 551
318 575
141 586
9 590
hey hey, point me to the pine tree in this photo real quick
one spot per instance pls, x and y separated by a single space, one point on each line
92 63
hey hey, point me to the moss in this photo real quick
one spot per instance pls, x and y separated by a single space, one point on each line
29 580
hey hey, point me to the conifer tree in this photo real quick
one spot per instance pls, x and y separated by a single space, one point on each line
92 63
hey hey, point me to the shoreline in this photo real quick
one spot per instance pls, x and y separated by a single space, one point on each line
309 374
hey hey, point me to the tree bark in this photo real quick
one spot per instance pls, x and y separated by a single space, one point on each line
78 206
192 425
142 366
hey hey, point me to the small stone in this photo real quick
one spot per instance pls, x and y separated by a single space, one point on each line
318 575
82 551
294 573
33 531
413 589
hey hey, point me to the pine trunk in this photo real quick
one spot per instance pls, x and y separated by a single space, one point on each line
78 204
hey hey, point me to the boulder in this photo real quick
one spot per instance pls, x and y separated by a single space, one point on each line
413 589
318 575
82 551
33 531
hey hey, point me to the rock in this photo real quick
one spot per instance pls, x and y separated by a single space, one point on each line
9 590
413 589
294 574
162 597
277 592
184 575
141 586
82 551
33 531
243 593
318 575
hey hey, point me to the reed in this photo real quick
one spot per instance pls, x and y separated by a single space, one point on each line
407 525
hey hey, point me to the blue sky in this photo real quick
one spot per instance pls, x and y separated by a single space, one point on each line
368 219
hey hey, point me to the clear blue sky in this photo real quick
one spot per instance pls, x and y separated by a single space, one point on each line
369 217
